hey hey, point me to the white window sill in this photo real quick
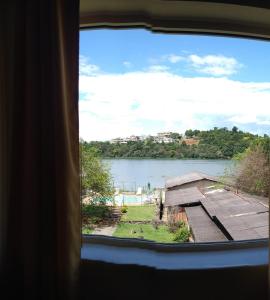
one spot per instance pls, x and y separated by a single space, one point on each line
184 256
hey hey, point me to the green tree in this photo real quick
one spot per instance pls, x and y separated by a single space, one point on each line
176 136
96 180
253 168
215 143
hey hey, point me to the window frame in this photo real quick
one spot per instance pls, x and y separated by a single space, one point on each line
213 19
182 256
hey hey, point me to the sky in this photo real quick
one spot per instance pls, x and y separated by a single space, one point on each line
135 82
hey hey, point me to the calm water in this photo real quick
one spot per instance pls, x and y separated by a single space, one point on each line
129 174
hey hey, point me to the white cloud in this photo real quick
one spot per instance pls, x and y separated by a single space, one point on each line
127 64
158 68
215 65
244 119
265 122
172 58
86 68
174 102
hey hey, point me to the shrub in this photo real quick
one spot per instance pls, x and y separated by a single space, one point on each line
124 209
182 234
253 171
181 223
92 210
173 225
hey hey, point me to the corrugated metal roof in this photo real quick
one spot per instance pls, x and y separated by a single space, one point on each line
246 227
255 199
183 196
203 228
243 218
225 203
187 178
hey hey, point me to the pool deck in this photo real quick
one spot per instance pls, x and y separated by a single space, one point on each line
140 199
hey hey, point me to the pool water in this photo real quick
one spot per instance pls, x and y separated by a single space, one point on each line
128 199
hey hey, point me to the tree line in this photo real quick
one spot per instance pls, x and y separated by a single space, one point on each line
217 143
251 171
252 168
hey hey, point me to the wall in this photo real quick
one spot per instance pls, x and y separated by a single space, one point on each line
108 281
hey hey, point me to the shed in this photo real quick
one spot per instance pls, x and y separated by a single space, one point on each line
190 180
183 197
241 217
176 200
202 227
246 226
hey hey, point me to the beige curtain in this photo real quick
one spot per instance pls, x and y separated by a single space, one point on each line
39 158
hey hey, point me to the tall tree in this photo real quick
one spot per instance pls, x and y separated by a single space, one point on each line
96 180
253 169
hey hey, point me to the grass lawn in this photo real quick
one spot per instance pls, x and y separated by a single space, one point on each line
146 231
139 213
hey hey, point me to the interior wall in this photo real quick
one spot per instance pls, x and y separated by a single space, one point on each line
109 281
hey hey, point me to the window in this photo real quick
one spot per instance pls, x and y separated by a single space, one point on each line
172 114
237 262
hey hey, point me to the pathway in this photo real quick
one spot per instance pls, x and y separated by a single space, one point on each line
105 230
110 228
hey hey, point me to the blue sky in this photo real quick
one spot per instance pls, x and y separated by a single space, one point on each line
138 82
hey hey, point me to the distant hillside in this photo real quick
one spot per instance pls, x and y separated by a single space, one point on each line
217 143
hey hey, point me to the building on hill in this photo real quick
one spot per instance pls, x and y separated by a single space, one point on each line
118 141
164 137
133 138
164 134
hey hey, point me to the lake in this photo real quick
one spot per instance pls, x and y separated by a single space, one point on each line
129 174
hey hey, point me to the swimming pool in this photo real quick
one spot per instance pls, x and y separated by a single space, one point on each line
129 199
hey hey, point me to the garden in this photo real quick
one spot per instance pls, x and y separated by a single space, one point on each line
140 221
133 222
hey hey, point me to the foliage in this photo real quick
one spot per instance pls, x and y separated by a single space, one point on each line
87 225
95 210
217 143
96 213
87 230
253 168
173 223
182 234
95 176
124 209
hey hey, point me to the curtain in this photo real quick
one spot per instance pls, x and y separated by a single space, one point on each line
39 148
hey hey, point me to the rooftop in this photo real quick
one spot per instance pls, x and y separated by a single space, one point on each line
219 214
187 178
242 217
203 228
183 197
